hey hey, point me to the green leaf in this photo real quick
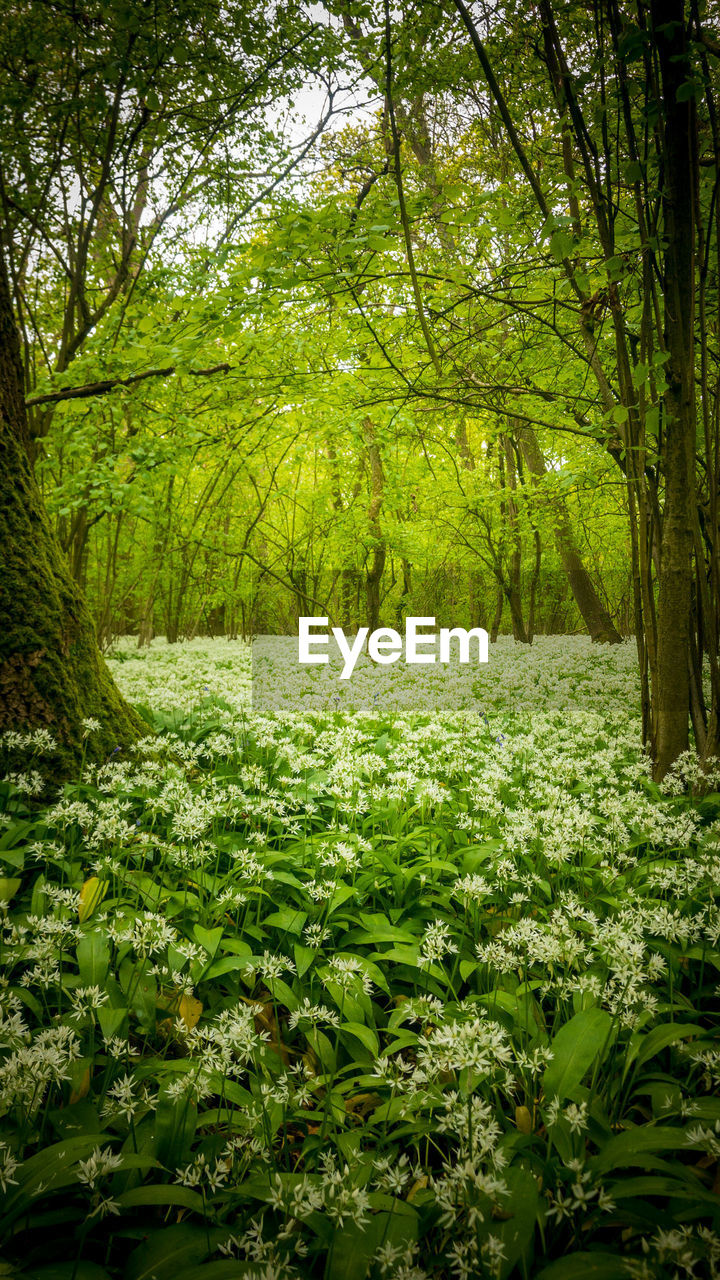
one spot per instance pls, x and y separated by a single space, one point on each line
223 1269
648 1046
364 1034
161 1195
304 957
287 919
354 1247
561 245
49 1169
379 929
628 1149
209 939
690 89
67 1271
586 1266
518 1232
281 992
163 1253
175 1124
93 955
110 1020
8 888
575 1048
643 1188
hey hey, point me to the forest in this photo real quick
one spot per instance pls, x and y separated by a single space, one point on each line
371 312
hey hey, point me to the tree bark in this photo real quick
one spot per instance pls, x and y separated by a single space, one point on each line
497 617
670 734
374 572
508 507
51 672
600 625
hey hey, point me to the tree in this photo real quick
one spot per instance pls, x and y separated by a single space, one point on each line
112 116
51 673
630 148
405 120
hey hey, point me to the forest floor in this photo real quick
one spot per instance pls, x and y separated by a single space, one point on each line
347 998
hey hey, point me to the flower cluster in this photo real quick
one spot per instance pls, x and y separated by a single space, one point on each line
431 994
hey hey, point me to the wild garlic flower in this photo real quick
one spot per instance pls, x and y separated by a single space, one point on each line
314 1014
436 943
271 966
8 1167
471 1123
315 935
124 1098
705 1137
576 1115
202 1173
350 974
98 1166
479 1044
86 1000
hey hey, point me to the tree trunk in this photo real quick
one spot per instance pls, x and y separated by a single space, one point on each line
534 585
476 599
600 625
402 604
51 673
374 572
497 618
508 509
670 714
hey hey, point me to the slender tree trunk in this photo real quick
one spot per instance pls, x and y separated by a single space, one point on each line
497 617
51 673
402 604
600 625
670 718
508 509
374 572
77 549
475 582
534 586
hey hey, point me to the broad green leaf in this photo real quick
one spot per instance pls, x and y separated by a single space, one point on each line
575 1049
209 939
161 1194
586 1266
82 1270
660 1038
221 1269
164 1252
91 895
93 954
8 888
629 1148
364 1034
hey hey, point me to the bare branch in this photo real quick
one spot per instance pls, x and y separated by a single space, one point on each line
109 384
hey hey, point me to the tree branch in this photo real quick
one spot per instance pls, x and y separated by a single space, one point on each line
109 384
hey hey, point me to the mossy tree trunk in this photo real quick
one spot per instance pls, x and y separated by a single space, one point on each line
51 672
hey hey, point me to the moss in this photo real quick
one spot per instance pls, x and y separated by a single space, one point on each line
52 674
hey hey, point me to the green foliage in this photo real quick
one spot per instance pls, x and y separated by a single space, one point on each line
321 994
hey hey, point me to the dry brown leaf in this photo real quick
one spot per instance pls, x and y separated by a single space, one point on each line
83 1088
